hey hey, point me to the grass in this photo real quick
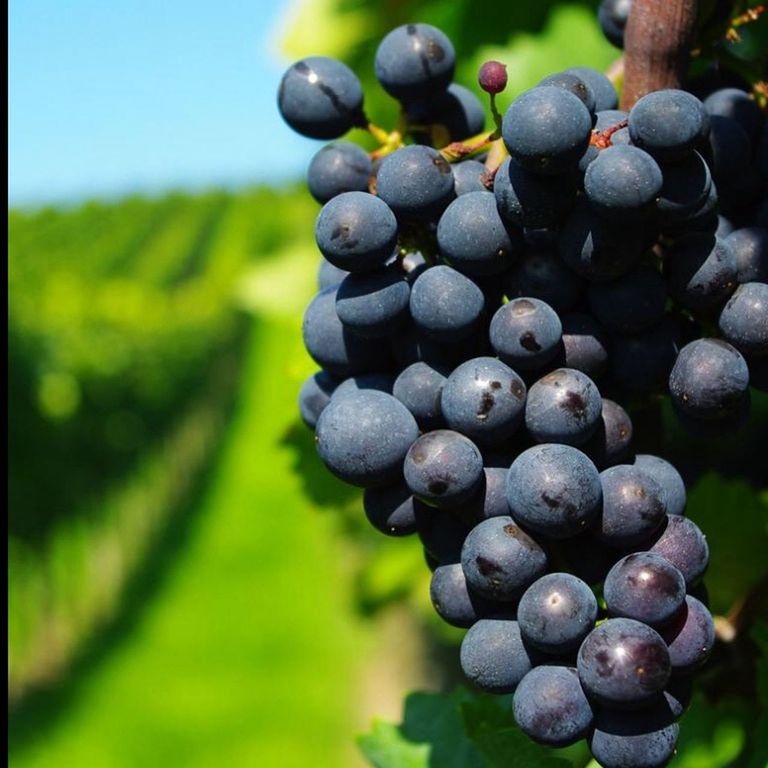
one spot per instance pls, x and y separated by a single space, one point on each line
243 648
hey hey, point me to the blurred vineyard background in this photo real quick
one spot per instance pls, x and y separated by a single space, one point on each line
187 586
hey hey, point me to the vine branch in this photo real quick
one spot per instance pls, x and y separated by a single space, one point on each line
657 42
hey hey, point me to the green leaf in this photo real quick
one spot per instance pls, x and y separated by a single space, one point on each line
386 747
456 730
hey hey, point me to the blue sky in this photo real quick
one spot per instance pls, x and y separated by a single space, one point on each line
111 97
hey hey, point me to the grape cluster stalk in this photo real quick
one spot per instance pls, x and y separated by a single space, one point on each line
492 306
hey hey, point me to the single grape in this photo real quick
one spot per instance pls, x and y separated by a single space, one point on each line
321 98
331 346
472 237
494 656
642 739
391 510
690 637
314 395
492 77
602 88
528 135
701 271
631 303
484 399
528 199
356 231
443 468
633 506
743 320
541 274
681 542
374 304
739 106
493 498
623 182
623 663
613 436
563 407
500 560
336 168
709 378
419 388
364 437
554 490
550 707
381 382
454 602
556 613
525 333
416 182
469 176
415 61
749 246
445 304
667 123
646 587
612 16
669 480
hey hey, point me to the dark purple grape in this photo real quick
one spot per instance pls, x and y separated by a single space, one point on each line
633 507
314 395
602 88
701 271
557 612
419 388
494 656
356 231
484 399
415 61
613 16
329 276
709 379
613 436
391 509
743 320
500 560
646 587
554 490
550 707
363 437
623 663
525 333
690 637
453 115
669 480
739 106
563 407
336 168
528 135
443 468
542 275
682 543
585 345
642 739
473 238
469 176
454 602
749 246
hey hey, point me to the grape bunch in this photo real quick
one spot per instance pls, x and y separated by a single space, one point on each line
492 305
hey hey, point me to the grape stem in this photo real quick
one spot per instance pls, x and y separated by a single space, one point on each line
459 150
657 42
602 139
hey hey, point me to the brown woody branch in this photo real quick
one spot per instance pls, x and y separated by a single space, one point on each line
657 42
